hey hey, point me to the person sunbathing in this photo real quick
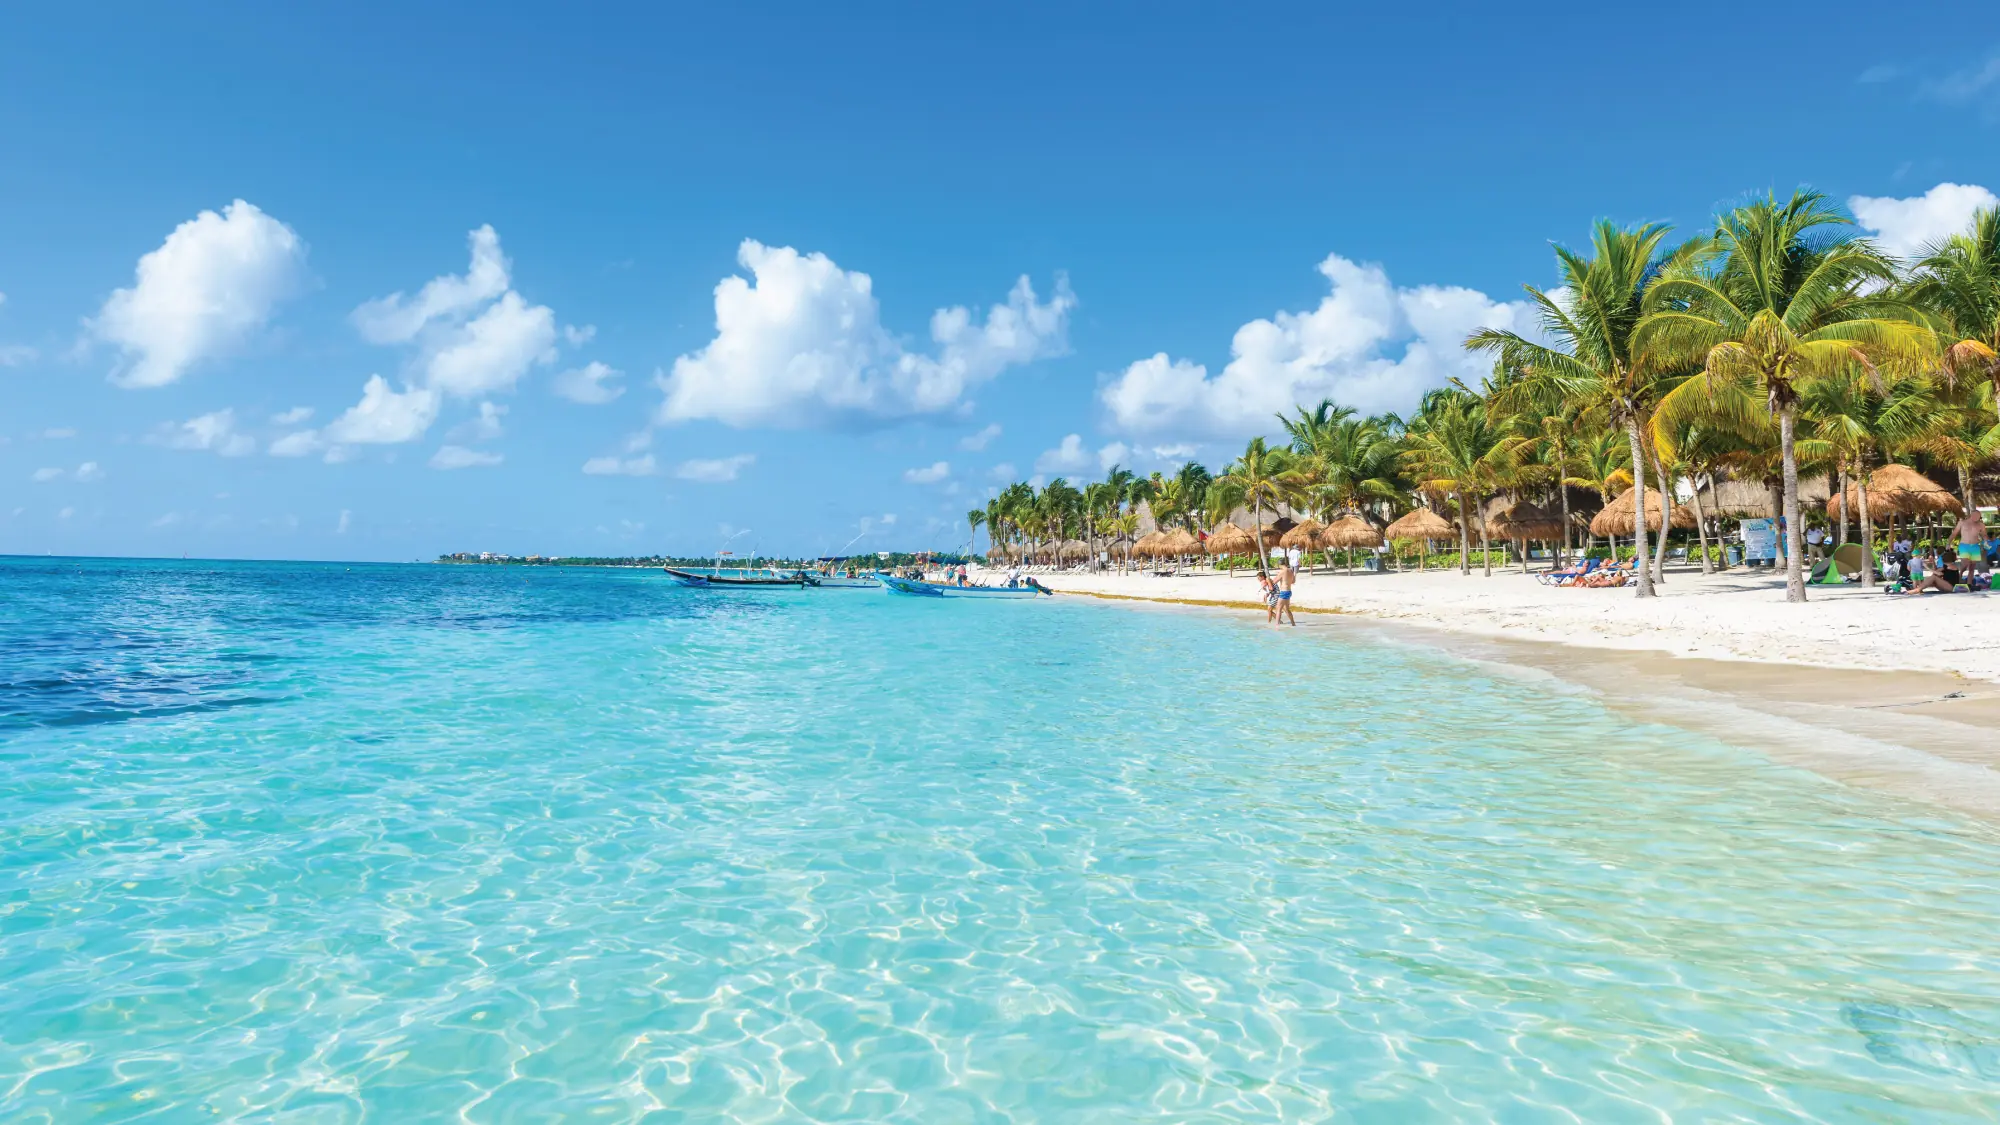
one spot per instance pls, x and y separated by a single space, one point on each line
1935 583
1612 575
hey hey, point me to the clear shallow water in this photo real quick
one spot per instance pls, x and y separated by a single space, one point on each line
303 842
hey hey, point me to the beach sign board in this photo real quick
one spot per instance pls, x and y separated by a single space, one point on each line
1760 540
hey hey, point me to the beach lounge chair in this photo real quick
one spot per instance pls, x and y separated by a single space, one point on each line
1614 575
1566 577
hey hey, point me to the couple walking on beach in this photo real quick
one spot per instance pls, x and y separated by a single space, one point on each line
1278 592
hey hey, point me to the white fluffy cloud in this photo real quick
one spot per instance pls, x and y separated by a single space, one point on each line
474 336
1368 344
493 350
593 384
621 467
459 457
801 343
1906 227
714 471
396 320
929 474
84 474
982 439
483 426
209 286
384 416
293 416
303 443
215 432
1068 457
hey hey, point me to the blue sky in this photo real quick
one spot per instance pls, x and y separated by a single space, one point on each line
964 243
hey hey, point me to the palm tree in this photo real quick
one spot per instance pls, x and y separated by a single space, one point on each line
1859 419
1957 282
1347 461
1125 525
1552 431
1061 509
1264 476
1963 434
1453 448
1594 360
1698 447
974 520
1603 464
1781 295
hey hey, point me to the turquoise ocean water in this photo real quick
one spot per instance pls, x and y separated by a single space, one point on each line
319 843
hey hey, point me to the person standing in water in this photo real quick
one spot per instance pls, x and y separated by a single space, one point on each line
1286 577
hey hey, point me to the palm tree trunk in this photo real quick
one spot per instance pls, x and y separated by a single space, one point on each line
1965 488
1867 536
1563 491
1843 502
1257 532
1795 577
1666 520
1639 567
1701 528
1485 544
1464 537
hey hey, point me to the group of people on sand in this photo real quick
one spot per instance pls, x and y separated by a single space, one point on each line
1968 570
1278 591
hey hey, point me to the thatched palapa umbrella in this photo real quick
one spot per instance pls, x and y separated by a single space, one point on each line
1897 490
1421 523
1302 535
1148 545
1349 532
1231 540
1179 543
1617 517
1525 521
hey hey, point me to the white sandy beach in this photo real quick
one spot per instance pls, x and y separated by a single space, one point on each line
1738 615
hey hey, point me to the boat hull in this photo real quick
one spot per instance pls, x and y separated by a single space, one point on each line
730 581
936 590
838 582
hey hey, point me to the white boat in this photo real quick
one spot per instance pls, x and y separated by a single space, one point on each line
940 590
843 582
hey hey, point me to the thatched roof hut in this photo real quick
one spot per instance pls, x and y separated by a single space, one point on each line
1525 521
1617 516
1896 489
1148 545
1304 536
1422 523
1180 541
1231 540
1350 531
